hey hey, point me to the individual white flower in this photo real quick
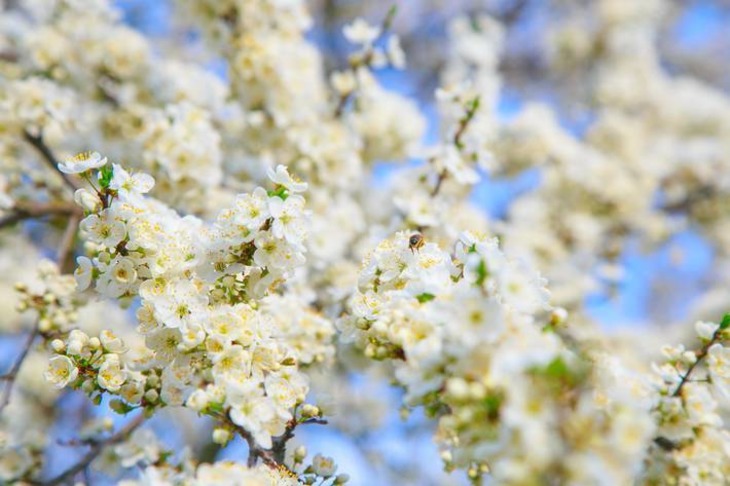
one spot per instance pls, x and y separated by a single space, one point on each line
226 324
706 330
82 162
252 209
323 466
198 400
183 303
164 343
233 363
77 341
250 409
111 375
360 32
132 392
281 177
272 252
288 217
111 342
83 273
104 229
119 278
130 186
61 371
718 360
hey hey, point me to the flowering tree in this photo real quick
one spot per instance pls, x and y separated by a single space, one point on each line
212 252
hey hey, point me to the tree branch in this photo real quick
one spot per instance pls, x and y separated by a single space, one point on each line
27 210
50 159
97 447
66 245
11 376
255 452
279 447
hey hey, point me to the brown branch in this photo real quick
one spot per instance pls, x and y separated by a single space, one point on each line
12 375
50 159
97 447
66 245
279 447
255 452
29 210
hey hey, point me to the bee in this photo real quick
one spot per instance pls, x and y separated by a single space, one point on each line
416 242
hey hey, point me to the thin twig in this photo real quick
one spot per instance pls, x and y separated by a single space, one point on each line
50 159
700 354
12 375
96 449
471 111
365 59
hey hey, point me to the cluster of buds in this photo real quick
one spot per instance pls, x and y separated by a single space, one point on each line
52 298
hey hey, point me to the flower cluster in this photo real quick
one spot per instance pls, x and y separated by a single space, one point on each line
692 444
52 298
216 340
474 340
207 285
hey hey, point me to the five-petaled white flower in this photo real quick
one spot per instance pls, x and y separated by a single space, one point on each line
82 162
61 371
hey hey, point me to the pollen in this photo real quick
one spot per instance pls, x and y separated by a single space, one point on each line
82 156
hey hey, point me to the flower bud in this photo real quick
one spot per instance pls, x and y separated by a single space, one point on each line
309 411
221 436
300 453
151 396
341 479
58 345
87 200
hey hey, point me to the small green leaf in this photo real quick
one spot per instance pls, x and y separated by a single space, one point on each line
493 403
425 297
120 407
725 323
280 192
105 176
482 272
557 369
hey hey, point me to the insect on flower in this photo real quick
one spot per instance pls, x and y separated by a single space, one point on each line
416 242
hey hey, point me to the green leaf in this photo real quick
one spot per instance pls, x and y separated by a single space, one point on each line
557 369
725 323
425 297
120 407
482 272
493 403
105 176
280 192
